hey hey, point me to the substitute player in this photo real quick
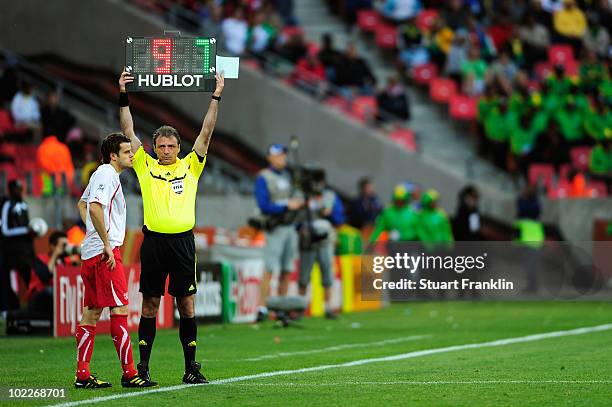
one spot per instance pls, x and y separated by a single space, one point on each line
102 208
169 187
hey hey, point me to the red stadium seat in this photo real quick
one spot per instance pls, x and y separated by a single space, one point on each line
543 70
564 171
580 157
560 54
571 68
423 74
386 36
463 107
368 20
338 102
364 108
442 89
6 122
9 149
405 138
426 19
559 191
598 189
543 172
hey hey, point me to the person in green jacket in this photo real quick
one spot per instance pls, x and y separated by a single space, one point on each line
598 121
399 219
530 235
600 162
570 119
434 226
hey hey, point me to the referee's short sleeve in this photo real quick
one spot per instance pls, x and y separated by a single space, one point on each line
195 163
140 161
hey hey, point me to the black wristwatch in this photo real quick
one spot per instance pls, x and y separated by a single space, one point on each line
218 98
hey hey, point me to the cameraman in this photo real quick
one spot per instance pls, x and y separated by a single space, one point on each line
317 239
279 202
40 290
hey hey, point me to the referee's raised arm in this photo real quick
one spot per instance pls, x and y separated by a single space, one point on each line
208 125
125 117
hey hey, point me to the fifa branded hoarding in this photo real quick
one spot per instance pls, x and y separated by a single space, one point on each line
69 292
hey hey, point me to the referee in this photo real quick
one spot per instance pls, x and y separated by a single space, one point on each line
169 187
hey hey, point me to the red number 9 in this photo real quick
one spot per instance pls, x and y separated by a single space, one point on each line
165 45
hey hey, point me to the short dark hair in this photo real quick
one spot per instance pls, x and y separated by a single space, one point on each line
112 144
166 131
56 236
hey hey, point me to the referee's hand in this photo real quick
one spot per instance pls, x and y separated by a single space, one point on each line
220 78
124 79
110 257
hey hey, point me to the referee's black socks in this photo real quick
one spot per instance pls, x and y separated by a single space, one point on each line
188 331
146 336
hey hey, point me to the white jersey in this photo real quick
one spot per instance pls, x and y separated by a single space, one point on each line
105 188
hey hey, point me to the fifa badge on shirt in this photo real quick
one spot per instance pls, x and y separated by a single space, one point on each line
177 186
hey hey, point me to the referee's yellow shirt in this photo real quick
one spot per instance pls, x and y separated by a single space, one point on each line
168 191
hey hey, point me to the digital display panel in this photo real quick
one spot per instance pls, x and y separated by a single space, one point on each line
176 64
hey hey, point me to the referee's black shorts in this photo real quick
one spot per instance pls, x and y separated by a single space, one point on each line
163 254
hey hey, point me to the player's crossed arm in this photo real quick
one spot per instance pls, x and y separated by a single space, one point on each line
125 117
208 125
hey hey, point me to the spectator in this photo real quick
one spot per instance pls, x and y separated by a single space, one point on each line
25 110
261 34
598 121
285 9
550 148
473 73
457 55
570 24
530 233
504 71
309 74
400 11
366 207
467 219
8 80
351 9
330 57
235 30
295 48
55 119
393 101
55 161
592 72
600 162
596 38
501 30
442 37
570 119
411 46
455 15
354 72
535 40
17 244
399 219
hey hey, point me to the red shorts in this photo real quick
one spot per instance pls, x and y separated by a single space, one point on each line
104 287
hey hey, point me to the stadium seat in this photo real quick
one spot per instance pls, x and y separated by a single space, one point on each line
368 20
580 157
564 171
572 68
559 191
426 19
543 70
405 138
462 107
386 36
423 74
543 172
8 149
560 54
6 122
442 89
598 189
364 108
338 102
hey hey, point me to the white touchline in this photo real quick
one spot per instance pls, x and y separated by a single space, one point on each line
339 347
402 356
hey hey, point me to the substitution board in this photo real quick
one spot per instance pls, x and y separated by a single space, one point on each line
174 64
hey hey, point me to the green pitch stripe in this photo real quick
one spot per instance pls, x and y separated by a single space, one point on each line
392 358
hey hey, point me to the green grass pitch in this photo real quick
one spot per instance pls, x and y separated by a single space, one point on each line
566 370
